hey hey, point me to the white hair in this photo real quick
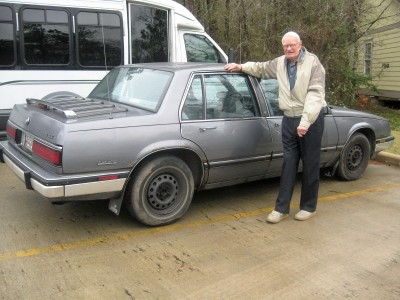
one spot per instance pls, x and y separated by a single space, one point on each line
292 34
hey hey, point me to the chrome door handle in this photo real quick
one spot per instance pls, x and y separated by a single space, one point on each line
204 129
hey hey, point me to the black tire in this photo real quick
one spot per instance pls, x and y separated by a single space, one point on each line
354 158
161 191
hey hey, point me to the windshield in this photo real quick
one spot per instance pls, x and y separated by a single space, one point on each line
139 87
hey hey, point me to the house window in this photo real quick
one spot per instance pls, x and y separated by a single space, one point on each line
367 58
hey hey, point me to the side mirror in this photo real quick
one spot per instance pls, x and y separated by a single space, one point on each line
327 110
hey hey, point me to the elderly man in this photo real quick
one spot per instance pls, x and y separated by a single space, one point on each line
301 79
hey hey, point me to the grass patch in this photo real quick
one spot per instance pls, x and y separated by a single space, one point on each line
395 149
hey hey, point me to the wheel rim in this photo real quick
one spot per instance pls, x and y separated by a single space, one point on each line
162 193
354 158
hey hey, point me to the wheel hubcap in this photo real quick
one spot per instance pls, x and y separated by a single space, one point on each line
162 191
354 158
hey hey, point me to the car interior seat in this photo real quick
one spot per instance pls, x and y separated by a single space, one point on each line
232 107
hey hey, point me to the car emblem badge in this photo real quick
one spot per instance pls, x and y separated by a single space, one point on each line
27 121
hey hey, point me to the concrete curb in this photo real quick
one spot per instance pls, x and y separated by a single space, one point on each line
388 158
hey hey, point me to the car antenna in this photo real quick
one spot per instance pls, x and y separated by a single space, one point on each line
105 62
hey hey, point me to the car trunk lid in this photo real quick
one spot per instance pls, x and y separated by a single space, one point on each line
75 107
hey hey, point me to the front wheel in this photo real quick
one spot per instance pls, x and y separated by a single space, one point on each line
354 158
161 191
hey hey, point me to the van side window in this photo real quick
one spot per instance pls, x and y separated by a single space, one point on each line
7 46
200 49
149 34
46 36
93 28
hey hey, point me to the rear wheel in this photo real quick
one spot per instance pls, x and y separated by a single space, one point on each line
161 191
354 158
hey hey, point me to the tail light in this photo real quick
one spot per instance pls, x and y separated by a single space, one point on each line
51 155
11 132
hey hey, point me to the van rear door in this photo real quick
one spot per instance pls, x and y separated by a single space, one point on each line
168 32
200 47
149 34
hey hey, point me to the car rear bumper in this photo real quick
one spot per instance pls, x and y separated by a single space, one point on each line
61 187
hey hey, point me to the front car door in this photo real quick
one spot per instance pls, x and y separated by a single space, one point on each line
329 139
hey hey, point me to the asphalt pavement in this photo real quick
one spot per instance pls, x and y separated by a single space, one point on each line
221 249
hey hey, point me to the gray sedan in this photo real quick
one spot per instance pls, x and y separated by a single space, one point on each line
151 135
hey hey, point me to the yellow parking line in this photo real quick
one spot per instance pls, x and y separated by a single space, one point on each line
176 226
360 192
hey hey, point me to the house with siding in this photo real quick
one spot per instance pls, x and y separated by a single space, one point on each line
379 49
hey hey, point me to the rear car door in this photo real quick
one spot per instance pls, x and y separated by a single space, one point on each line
221 115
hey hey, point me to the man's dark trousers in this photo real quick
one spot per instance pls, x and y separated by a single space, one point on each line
308 149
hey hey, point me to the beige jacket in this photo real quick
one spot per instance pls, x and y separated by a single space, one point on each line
308 95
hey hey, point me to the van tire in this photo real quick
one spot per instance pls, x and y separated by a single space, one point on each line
60 94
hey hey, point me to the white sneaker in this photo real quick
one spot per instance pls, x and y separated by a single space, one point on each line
276 217
303 215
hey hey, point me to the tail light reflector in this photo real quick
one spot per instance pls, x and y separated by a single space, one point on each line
110 177
11 132
51 155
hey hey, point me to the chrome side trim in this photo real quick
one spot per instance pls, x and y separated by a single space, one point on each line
239 161
96 187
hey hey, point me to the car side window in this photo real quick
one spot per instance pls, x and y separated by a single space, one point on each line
270 88
193 107
229 96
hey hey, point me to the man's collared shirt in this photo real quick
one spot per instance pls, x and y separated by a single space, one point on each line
292 69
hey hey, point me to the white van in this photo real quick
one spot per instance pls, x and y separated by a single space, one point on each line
51 48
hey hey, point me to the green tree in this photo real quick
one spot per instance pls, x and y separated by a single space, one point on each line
328 28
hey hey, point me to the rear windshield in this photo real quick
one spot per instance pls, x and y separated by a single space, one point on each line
139 87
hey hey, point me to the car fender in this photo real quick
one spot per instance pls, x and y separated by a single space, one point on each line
175 146
164 145
359 127
364 128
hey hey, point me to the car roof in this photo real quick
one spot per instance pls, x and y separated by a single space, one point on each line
180 66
